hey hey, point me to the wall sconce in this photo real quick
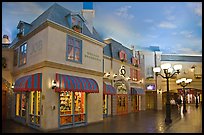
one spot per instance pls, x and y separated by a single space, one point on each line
12 86
107 74
193 68
54 84
115 75
128 78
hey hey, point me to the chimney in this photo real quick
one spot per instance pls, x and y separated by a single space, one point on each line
89 14
5 39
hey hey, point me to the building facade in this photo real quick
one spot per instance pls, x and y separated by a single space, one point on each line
122 71
155 86
64 75
57 74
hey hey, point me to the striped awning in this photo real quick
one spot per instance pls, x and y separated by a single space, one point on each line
29 83
108 89
74 83
138 91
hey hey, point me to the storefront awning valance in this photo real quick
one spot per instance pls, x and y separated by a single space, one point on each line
74 83
108 89
138 91
29 83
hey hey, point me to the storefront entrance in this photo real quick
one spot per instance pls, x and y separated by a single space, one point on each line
122 104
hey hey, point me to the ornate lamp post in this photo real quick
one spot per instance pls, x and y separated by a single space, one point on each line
184 82
169 72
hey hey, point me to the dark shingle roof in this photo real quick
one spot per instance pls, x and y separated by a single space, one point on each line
113 48
58 14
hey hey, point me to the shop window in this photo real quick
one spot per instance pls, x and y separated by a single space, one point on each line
34 114
23 54
74 49
72 107
15 57
21 105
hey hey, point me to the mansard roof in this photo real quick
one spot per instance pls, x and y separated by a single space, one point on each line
58 14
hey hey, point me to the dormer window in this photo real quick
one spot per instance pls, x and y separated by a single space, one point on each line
122 55
20 30
76 23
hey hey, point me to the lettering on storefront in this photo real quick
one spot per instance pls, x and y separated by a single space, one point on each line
92 56
36 48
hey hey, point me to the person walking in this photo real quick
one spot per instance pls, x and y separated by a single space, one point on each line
179 102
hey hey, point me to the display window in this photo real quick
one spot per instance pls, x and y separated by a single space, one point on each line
34 113
72 107
105 105
122 104
20 107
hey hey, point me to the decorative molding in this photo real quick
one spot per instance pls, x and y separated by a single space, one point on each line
57 66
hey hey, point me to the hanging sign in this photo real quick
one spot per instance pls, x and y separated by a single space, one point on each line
122 71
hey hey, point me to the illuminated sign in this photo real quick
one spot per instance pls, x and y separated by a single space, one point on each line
150 87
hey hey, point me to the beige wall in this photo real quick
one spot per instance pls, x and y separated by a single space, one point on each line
7 72
56 51
36 49
49 98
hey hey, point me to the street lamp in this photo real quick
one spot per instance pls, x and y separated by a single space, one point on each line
184 82
169 73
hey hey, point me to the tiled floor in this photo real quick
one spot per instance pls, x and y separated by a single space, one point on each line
148 121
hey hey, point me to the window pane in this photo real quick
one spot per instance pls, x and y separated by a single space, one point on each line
18 105
66 102
79 102
32 102
77 54
22 55
23 105
73 21
71 42
38 103
70 52
65 107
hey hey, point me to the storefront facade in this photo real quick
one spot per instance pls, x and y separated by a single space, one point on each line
121 70
54 53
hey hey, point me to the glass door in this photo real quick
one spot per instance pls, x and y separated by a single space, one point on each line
34 113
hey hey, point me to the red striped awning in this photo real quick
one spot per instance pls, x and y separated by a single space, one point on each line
108 89
74 83
29 83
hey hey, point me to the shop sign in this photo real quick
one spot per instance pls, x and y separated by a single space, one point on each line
122 71
92 56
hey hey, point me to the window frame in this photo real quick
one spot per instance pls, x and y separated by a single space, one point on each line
74 49
77 19
24 53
